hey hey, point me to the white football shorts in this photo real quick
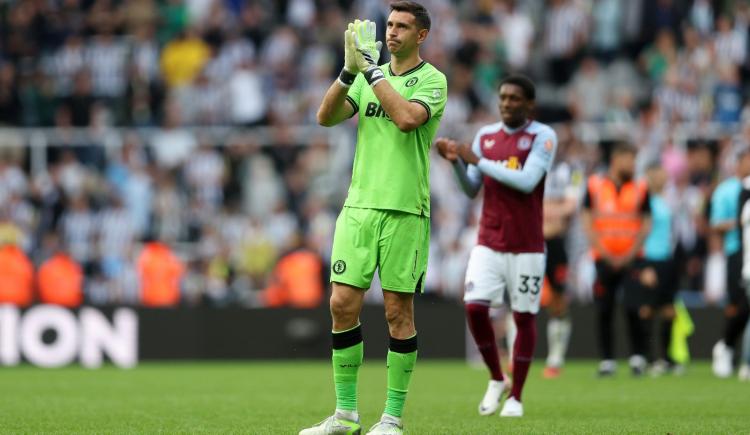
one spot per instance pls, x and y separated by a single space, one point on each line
490 273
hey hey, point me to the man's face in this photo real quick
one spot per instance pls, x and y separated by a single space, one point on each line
744 165
657 178
624 163
401 34
514 106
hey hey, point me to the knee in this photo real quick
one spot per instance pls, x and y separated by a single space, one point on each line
396 316
668 312
342 309
645 312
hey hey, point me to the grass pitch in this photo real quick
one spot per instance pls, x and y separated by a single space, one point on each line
283 397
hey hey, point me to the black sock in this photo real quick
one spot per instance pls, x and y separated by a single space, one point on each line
666 338
635 330
735 327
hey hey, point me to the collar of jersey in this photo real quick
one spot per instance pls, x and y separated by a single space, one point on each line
390 71
512 131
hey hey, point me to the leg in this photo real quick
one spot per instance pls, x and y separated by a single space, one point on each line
736 315
604 296
639 283
353 263
523 350
558 327
403 251
480 325
666 314
736 311
526 272
346 304
483 286
402 351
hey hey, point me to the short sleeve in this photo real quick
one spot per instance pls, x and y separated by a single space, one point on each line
719 210
431 93
355 91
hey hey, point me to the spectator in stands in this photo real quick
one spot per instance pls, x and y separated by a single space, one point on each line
565 36
182 59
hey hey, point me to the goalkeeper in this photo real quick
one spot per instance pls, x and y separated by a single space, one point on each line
385 220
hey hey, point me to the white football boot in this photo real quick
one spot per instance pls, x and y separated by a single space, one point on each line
340 423
491 400
512 408
388 425
722 360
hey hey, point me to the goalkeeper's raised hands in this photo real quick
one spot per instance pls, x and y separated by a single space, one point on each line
367 51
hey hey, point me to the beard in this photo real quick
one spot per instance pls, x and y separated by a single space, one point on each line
626 176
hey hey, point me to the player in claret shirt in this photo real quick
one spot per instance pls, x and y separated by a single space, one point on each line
510 159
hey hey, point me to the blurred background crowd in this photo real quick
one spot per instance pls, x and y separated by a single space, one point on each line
170 145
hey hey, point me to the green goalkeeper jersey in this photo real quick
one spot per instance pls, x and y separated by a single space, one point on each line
392 168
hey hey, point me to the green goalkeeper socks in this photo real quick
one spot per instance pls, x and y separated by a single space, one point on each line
347 358
402 356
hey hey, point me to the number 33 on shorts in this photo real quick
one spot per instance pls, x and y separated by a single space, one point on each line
490 273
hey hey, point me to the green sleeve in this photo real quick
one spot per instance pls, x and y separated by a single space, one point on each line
432 93
354 93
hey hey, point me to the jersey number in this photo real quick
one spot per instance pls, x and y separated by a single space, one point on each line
536 284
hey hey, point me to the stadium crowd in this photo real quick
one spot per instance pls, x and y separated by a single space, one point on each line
222 210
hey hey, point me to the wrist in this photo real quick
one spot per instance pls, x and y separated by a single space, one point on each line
346 78
373 75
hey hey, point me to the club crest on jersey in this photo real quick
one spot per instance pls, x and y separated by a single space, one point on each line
489 143
524 143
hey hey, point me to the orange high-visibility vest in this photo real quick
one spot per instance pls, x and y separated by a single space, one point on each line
16 277
60 281
616 215
160 272
296 281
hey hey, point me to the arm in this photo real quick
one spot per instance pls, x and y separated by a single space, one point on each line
340 101
525 180
407 115
469 178
592 236
335 106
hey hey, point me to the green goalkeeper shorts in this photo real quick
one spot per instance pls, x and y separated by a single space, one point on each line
396 243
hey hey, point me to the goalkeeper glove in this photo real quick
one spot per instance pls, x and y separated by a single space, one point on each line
367 51
349 73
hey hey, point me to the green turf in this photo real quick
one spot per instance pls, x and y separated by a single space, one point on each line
282 397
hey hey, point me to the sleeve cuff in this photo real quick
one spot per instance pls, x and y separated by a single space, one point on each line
426 107
354 105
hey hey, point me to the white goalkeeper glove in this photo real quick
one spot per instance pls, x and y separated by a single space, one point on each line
350 71
367 51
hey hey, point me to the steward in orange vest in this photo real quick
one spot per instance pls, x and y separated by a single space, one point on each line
297 281
161 273
617 221
60 281
16 276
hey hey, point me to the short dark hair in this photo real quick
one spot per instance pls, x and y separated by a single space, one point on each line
421 16
523 82
623 147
